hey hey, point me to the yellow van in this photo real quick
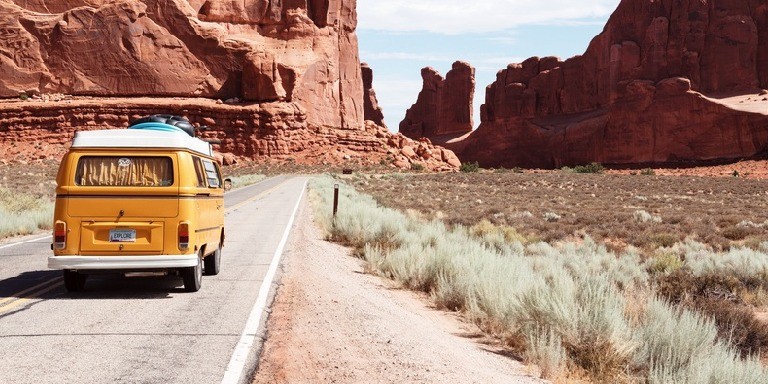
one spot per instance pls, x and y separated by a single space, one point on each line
145 199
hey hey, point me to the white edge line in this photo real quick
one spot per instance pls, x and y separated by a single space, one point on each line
24 242
239 357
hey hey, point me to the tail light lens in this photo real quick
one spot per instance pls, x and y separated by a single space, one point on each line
60 235
184 236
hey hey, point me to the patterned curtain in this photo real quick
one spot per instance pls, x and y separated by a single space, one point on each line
115 171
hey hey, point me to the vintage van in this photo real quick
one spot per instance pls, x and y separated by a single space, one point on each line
145 199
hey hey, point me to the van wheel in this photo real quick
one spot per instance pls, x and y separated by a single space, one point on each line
74 281
213 263
193 277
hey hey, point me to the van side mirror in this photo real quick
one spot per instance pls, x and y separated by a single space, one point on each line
227 184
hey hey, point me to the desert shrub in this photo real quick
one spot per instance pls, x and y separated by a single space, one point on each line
746 265
663 263
642 216
737 325
589 168
739 232
546 350
648 172
679 346
469 167
655 240
23 96
718 297
496 235
22 214
552 217
559 306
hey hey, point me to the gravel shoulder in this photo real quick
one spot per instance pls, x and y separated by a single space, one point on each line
332 323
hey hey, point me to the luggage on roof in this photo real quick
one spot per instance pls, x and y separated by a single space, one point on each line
166 123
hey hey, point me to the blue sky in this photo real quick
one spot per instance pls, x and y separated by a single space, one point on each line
399 37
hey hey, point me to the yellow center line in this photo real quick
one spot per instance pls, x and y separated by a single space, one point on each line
24 292
19 302
17 299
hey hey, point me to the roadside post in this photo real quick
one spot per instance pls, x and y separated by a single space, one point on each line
335 199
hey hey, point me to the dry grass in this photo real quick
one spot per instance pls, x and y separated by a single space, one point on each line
26 198
647 212
576 309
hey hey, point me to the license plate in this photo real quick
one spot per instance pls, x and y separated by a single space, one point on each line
122 235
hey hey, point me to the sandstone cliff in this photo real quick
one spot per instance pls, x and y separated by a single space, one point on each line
637 94
302 51
288 69
444 105
279 132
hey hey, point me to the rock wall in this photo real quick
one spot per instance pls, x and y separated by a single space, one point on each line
43 129
635 96
294 51
371 109
444 106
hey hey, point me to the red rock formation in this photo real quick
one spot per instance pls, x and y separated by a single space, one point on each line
44 128
302 51
635 96
444 106
371 109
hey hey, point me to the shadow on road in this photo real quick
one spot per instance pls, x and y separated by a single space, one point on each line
43 285
15 286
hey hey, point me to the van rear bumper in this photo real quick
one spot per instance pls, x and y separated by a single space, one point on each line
122 262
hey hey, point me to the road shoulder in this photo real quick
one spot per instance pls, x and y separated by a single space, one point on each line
332 323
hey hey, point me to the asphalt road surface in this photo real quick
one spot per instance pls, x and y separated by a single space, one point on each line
147 329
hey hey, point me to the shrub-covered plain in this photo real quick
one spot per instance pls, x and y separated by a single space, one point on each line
574 308
646 212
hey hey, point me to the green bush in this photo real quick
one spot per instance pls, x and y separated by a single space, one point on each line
589 168
469 167
418 167
648 172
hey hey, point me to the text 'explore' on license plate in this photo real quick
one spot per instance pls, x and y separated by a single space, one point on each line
122 235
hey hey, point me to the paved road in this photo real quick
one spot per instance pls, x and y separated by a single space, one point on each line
147 329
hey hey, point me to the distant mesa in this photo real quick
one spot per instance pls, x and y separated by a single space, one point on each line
664 82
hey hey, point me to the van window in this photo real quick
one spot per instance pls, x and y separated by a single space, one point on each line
124 171
212 173
199 171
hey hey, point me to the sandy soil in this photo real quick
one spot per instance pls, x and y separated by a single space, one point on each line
331 323
756 102
751 169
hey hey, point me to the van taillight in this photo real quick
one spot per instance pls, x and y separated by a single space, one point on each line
183 235
60 235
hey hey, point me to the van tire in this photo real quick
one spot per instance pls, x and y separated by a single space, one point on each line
213 263
74 281
193 277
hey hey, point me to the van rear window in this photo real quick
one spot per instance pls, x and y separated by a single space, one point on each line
124 171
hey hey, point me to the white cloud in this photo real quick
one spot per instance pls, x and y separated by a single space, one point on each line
461 16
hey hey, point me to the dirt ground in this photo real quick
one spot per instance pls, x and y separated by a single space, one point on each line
332 323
